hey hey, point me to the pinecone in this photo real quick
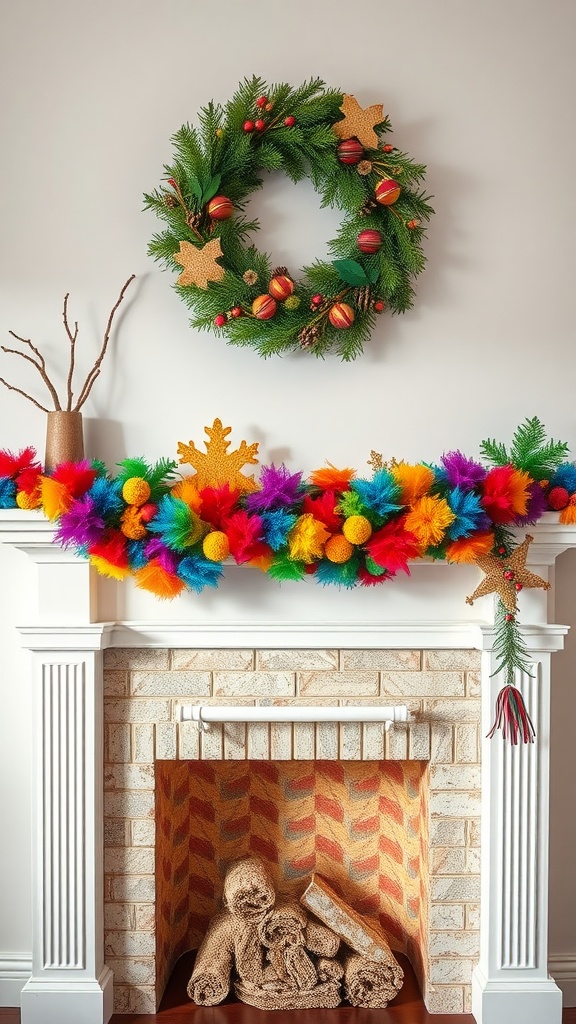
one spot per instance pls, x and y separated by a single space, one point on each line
308 335
170 200
193 220
369 206
362 298
280 272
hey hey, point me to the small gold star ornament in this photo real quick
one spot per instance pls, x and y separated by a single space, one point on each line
507 576
359 122
199 264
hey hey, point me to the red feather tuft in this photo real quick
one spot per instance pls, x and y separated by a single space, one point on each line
244 534
11 465
217 504
392 546
323 508
77 477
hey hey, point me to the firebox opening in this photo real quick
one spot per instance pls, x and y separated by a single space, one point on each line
361 825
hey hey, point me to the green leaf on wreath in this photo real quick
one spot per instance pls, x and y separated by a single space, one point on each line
195 188
211 189
373 274
351 272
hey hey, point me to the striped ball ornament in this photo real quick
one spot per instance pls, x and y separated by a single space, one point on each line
350 151
387 191
369 241
264 307
281 287
341 315
220 208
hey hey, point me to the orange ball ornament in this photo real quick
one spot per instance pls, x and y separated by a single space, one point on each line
341 315
220 208
264 307
357 529
338 549
281 287
387 191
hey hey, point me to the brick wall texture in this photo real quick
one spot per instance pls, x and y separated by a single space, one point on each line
150 784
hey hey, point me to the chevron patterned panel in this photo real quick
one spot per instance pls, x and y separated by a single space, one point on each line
360 824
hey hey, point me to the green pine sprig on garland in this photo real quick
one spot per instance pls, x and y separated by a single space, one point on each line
530 451
216 167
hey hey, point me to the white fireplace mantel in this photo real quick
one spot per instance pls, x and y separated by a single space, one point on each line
67 630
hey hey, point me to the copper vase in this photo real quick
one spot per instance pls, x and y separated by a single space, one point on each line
64 439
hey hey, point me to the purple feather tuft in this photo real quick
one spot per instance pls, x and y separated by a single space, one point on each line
166 558
81 525
537 505
462 471
279 489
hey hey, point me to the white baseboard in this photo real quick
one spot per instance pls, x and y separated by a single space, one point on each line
562 967
15 969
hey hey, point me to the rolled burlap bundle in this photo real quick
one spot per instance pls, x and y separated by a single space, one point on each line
284 925
299 967
325 996
329 969
320 940
248 889
248 951
210 979
369 983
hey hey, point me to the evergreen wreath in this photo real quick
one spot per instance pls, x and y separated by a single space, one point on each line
309 131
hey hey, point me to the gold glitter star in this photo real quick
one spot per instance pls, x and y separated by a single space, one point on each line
359 122
506 576
218 466
199 264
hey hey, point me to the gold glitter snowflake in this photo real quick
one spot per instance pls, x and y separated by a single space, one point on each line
217 465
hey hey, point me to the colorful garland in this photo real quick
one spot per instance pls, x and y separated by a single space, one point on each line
172 535
310 132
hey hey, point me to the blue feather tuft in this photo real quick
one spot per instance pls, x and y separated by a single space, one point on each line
470 515
198 572
7 493
277 525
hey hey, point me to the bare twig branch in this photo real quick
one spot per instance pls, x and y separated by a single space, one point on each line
29 397
72 338
94 372
39 364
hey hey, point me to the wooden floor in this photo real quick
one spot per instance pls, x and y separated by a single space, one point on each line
176 1008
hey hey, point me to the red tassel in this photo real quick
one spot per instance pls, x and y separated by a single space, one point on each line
512 717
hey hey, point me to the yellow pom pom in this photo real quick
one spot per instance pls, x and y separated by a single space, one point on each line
338 549
215 546
136 491
357 529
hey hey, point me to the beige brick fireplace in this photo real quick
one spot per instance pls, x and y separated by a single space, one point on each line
108 693
143 690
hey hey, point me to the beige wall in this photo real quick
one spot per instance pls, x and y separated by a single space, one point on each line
90 94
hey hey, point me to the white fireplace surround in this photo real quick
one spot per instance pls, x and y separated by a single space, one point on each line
73 617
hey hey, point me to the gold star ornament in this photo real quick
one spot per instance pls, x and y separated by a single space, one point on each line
507 576
359 122
199 264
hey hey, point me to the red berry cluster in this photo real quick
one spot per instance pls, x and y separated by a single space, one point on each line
264 105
